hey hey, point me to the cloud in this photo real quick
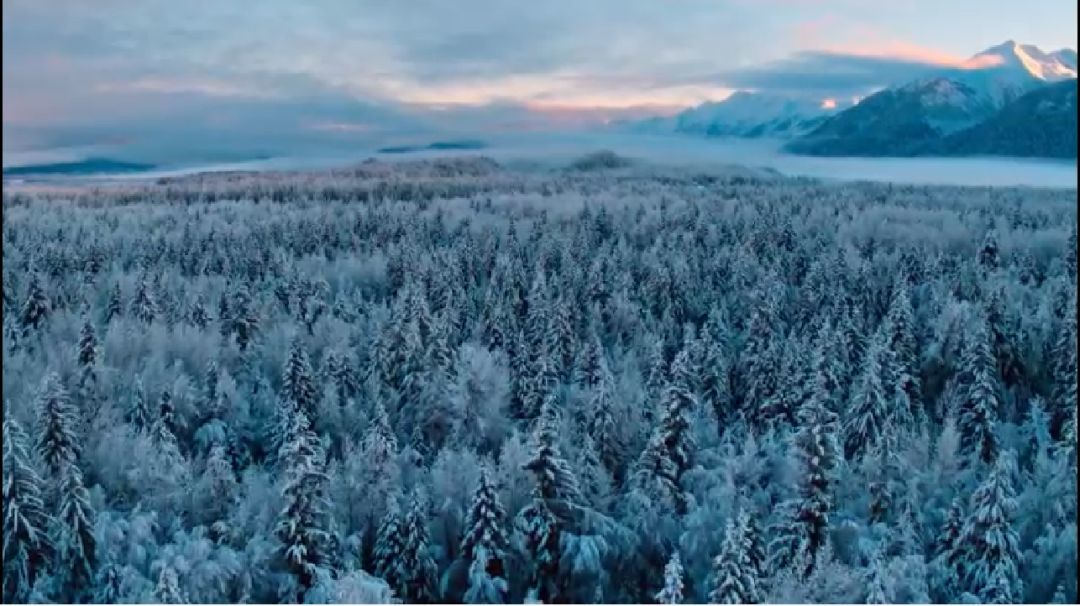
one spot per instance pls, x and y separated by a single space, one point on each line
830 73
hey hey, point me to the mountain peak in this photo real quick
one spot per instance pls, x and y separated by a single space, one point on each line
1028 58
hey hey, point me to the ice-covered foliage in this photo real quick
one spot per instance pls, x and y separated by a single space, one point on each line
608 384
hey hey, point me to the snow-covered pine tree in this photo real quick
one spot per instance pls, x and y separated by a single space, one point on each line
669 454
735 577
26 542
672 591
167 590
390 546
73 535
716 370
86 357
419 585
992 547
979 409
901 361
57 439
484 545
144 306
950 553
589 366
298 381
803 526
138 413
875 581
542 521
241 317
302 525
869 408
115 307
603 429
163 429
1064 363
198 314
36 308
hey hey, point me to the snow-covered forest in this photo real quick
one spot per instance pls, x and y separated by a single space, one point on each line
447 381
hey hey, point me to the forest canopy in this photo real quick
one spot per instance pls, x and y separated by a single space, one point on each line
446 381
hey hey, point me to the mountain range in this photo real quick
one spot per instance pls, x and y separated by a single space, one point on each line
1011 99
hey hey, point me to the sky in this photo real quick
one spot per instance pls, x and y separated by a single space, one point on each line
238 78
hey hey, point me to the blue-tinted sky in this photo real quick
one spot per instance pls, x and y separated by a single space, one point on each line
251 76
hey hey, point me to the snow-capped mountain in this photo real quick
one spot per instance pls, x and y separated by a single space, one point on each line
744 114
911 118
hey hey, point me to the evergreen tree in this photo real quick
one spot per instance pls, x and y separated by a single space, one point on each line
950 552
86 357
298 381
672 592
978 410
715 368
138 412
57 441
36 308
115 307
484 545
875 581
144 306
543 520
901 368
991 544
735 577
198 313
76 545
241 318
167 590
603 429
390 547
302 525
1064 359
26 544
419 582
669 453
163 429
870 409
804 521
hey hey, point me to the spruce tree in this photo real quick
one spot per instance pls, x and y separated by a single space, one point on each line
869 410
57 440
735 578
76 555
992 547
36 308
144 306
390 547
979 409
26 543
167 590
1063 395
298 382
302 525
86 357
419 582
672 591
901 368
803 527
669 452
115 307
950 552
484 545
543 520
138 413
